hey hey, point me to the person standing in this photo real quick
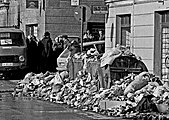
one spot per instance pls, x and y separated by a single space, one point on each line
57 50
101 35
88 36
28 41
32 53
66 42
35 54
45 47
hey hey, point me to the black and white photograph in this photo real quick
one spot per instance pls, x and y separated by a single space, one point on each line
84 59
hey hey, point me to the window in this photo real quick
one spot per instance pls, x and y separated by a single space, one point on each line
31 29
43 7
165 17
94 27
11 39
32 4
123 30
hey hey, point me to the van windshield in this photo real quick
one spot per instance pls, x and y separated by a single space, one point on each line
65 54
11 39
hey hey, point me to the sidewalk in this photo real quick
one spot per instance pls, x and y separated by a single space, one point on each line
97 116
7 85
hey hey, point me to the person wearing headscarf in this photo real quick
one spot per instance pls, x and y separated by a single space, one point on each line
45 46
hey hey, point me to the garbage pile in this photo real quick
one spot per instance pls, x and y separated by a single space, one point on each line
144 96
83 92
57 87
91 55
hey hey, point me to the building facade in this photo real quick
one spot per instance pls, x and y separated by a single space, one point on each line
144 26
56 16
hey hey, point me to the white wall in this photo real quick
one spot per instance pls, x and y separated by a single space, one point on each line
143 30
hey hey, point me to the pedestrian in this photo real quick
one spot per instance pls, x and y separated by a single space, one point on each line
36 54
66 41
74 47
101 35
28 40
57 50
32 53
45 47
88 36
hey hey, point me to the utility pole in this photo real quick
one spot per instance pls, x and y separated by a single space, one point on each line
82 14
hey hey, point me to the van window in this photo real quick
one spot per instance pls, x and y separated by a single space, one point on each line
65 54
11 39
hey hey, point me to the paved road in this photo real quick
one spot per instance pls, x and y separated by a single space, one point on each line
7 85
32 109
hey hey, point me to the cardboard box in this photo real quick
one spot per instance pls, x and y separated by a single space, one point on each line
105 104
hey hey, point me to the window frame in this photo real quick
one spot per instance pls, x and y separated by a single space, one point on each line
120 27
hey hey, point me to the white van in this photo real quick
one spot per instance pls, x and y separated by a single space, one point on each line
62 60
13 52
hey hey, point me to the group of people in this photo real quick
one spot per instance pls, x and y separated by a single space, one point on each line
87 37
42 54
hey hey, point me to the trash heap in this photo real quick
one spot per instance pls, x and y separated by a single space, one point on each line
83 93
143 96
91 55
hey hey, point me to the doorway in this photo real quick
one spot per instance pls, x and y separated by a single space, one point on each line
161 44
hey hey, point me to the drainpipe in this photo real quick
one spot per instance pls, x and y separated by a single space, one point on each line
18 19
132 42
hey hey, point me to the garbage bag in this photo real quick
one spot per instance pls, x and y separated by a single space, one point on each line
110 56
140 81
56 88
64 75
56 79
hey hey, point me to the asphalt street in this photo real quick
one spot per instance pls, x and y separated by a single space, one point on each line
21 108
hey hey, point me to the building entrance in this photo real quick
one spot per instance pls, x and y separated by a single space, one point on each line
165 51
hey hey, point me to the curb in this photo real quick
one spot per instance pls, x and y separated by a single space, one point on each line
9 90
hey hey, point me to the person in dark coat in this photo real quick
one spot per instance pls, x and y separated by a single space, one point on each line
57 49
45 47
28 40
32 53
